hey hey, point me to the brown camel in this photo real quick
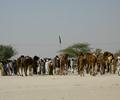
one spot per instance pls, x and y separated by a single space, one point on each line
81 64
91 61
108 57
25 64
63 63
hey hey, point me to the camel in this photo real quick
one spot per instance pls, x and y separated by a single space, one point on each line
100 64
108 57
25 63
81 64
91 61
63 63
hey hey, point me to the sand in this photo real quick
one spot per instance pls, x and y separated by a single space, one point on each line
71 87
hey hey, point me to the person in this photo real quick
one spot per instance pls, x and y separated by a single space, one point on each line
56 65
118 65
1 69
46 66
14 67
72 65
5 68
50 69
42 64
39 67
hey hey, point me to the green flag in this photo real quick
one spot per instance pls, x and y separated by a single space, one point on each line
60 39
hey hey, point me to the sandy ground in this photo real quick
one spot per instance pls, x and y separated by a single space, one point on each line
72 87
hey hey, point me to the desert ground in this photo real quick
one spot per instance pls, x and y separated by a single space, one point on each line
69 87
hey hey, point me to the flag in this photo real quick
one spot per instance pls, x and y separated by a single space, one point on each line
60 39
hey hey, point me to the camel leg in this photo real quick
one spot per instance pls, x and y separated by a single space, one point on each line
21 71
25 71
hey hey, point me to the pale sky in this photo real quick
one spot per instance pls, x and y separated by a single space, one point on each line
33 26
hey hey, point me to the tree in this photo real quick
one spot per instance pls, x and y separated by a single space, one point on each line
76 48
6 52
116 54
98 51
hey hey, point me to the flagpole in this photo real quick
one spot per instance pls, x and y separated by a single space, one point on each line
60 46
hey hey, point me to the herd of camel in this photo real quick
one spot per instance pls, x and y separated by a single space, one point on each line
93 64
85 63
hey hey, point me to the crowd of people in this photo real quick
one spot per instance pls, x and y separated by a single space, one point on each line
23 66
62 65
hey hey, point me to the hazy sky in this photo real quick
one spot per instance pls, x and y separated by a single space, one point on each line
33 26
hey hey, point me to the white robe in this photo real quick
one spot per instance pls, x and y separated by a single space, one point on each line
46 67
